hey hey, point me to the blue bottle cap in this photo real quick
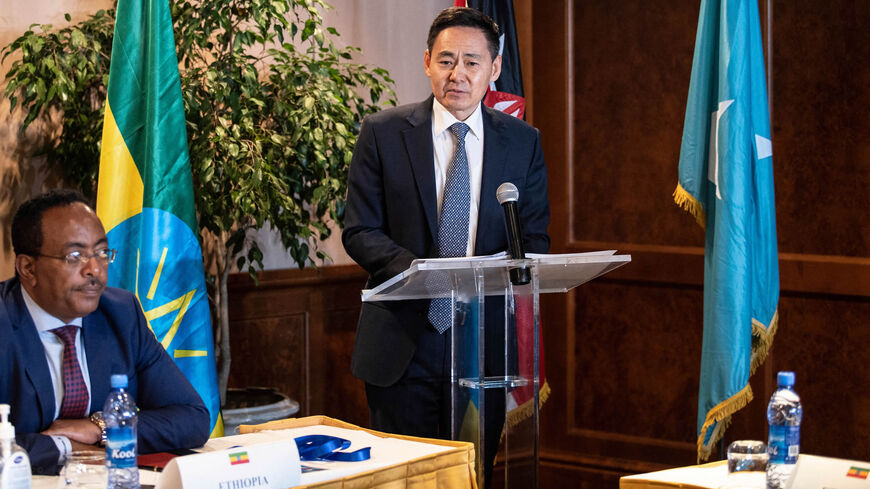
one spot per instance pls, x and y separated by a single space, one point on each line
785 379
119 381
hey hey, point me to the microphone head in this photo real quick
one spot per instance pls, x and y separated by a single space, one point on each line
507 192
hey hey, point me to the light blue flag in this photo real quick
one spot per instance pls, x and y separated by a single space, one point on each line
726 182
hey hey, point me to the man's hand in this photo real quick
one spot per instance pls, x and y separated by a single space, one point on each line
81 447
77 430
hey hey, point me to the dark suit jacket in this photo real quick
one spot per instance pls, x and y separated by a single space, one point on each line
391 219
117 341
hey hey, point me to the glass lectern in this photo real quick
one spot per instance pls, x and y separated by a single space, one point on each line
468 281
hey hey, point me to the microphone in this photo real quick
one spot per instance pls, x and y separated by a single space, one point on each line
508 195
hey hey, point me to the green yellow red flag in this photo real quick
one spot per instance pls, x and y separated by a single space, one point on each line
145 193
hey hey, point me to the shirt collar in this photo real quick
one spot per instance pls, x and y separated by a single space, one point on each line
43 320
442 119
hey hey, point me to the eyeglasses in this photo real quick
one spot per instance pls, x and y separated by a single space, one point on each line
104 257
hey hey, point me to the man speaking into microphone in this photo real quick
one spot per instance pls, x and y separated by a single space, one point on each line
422 184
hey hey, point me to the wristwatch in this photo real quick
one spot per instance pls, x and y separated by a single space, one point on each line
97 418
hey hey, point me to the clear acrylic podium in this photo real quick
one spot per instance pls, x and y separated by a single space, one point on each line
468 281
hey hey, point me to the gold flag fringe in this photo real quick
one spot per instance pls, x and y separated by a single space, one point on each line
524 410
762 340
719 418
689 203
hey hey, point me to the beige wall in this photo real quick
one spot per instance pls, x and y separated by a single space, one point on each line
392 34
21 177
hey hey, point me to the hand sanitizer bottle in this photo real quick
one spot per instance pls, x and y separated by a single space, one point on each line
14 462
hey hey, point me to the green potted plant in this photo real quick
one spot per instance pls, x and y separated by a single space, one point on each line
273 109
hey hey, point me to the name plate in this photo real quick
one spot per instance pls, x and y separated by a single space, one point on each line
273 465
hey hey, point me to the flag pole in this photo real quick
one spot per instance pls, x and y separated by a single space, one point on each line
768 41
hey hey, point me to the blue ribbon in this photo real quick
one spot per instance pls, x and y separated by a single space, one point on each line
323 447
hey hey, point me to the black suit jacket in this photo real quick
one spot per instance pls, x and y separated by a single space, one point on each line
117 341
392 219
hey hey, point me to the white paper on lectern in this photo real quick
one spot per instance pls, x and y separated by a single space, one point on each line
503 255
460 259
557 273
270 465
384 451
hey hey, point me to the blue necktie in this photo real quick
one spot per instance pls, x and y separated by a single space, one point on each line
453 223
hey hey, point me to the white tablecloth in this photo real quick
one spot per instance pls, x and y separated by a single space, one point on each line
51 481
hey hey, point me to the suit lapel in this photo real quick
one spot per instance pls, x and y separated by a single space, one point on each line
418 144
32 348
95 335
495 146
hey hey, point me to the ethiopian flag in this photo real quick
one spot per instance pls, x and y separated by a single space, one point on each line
726 182
145 193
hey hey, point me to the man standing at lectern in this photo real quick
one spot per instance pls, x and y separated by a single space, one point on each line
423 184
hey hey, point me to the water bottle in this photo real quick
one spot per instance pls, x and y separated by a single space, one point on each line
783 444
119 413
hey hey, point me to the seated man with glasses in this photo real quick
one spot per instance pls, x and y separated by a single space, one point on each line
63 333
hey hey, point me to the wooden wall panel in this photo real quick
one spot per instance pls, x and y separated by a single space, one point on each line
617 362
610 87
824 341
253 345
347 403
295 331
821 133
820 340
631 70
554 474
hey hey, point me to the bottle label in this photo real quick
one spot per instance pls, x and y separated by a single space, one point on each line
784 444
16 473
120 448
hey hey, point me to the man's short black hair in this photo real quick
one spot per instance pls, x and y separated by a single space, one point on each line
465 17
27 223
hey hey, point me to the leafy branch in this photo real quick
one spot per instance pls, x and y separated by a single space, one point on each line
273 109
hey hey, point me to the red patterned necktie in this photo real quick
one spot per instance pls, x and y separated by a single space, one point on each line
75 392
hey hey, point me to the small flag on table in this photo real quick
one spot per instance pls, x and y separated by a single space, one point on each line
239 458
858 472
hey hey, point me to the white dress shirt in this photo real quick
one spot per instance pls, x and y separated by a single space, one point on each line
444 144
53 347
